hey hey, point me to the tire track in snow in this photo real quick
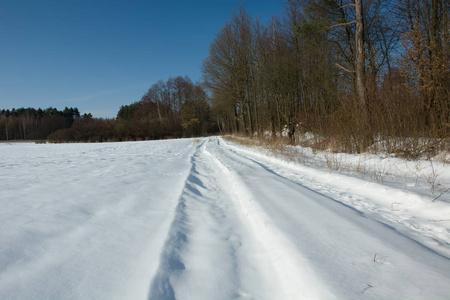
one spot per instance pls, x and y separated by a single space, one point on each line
199 243
170 261
293 279
218 228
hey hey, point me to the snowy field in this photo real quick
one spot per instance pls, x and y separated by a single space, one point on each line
207 219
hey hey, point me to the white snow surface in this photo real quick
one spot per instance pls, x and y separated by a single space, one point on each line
207 219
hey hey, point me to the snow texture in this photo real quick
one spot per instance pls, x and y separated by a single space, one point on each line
207 219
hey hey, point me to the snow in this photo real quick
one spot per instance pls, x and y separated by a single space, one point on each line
208 219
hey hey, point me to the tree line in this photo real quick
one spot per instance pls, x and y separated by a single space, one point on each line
352 72
169 109
173 108
34 124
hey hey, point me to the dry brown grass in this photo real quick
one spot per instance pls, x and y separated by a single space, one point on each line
276 145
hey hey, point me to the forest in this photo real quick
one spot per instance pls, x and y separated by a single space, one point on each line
169 109
35 124
353 74
345 75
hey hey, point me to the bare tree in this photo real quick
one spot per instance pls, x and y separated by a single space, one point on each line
228 71
427 59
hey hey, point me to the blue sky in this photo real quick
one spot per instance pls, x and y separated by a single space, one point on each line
100 54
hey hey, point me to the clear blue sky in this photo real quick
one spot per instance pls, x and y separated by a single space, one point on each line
100 54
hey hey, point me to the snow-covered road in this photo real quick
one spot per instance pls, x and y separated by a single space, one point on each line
201 219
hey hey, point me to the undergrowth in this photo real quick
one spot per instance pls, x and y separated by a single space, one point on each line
433 151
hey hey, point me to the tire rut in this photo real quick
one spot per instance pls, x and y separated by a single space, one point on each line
290 274
199 201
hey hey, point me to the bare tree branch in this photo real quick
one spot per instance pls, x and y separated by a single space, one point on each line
345 69
341 24
344 6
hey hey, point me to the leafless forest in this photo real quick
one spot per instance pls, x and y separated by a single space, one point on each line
351 72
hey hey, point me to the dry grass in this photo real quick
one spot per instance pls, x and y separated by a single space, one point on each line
282 147
278 145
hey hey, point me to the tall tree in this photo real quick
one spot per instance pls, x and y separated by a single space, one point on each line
361 84
228 71
427 58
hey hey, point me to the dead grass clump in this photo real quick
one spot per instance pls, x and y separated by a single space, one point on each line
276 145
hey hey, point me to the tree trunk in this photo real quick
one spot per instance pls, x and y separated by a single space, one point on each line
7 135
360 64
